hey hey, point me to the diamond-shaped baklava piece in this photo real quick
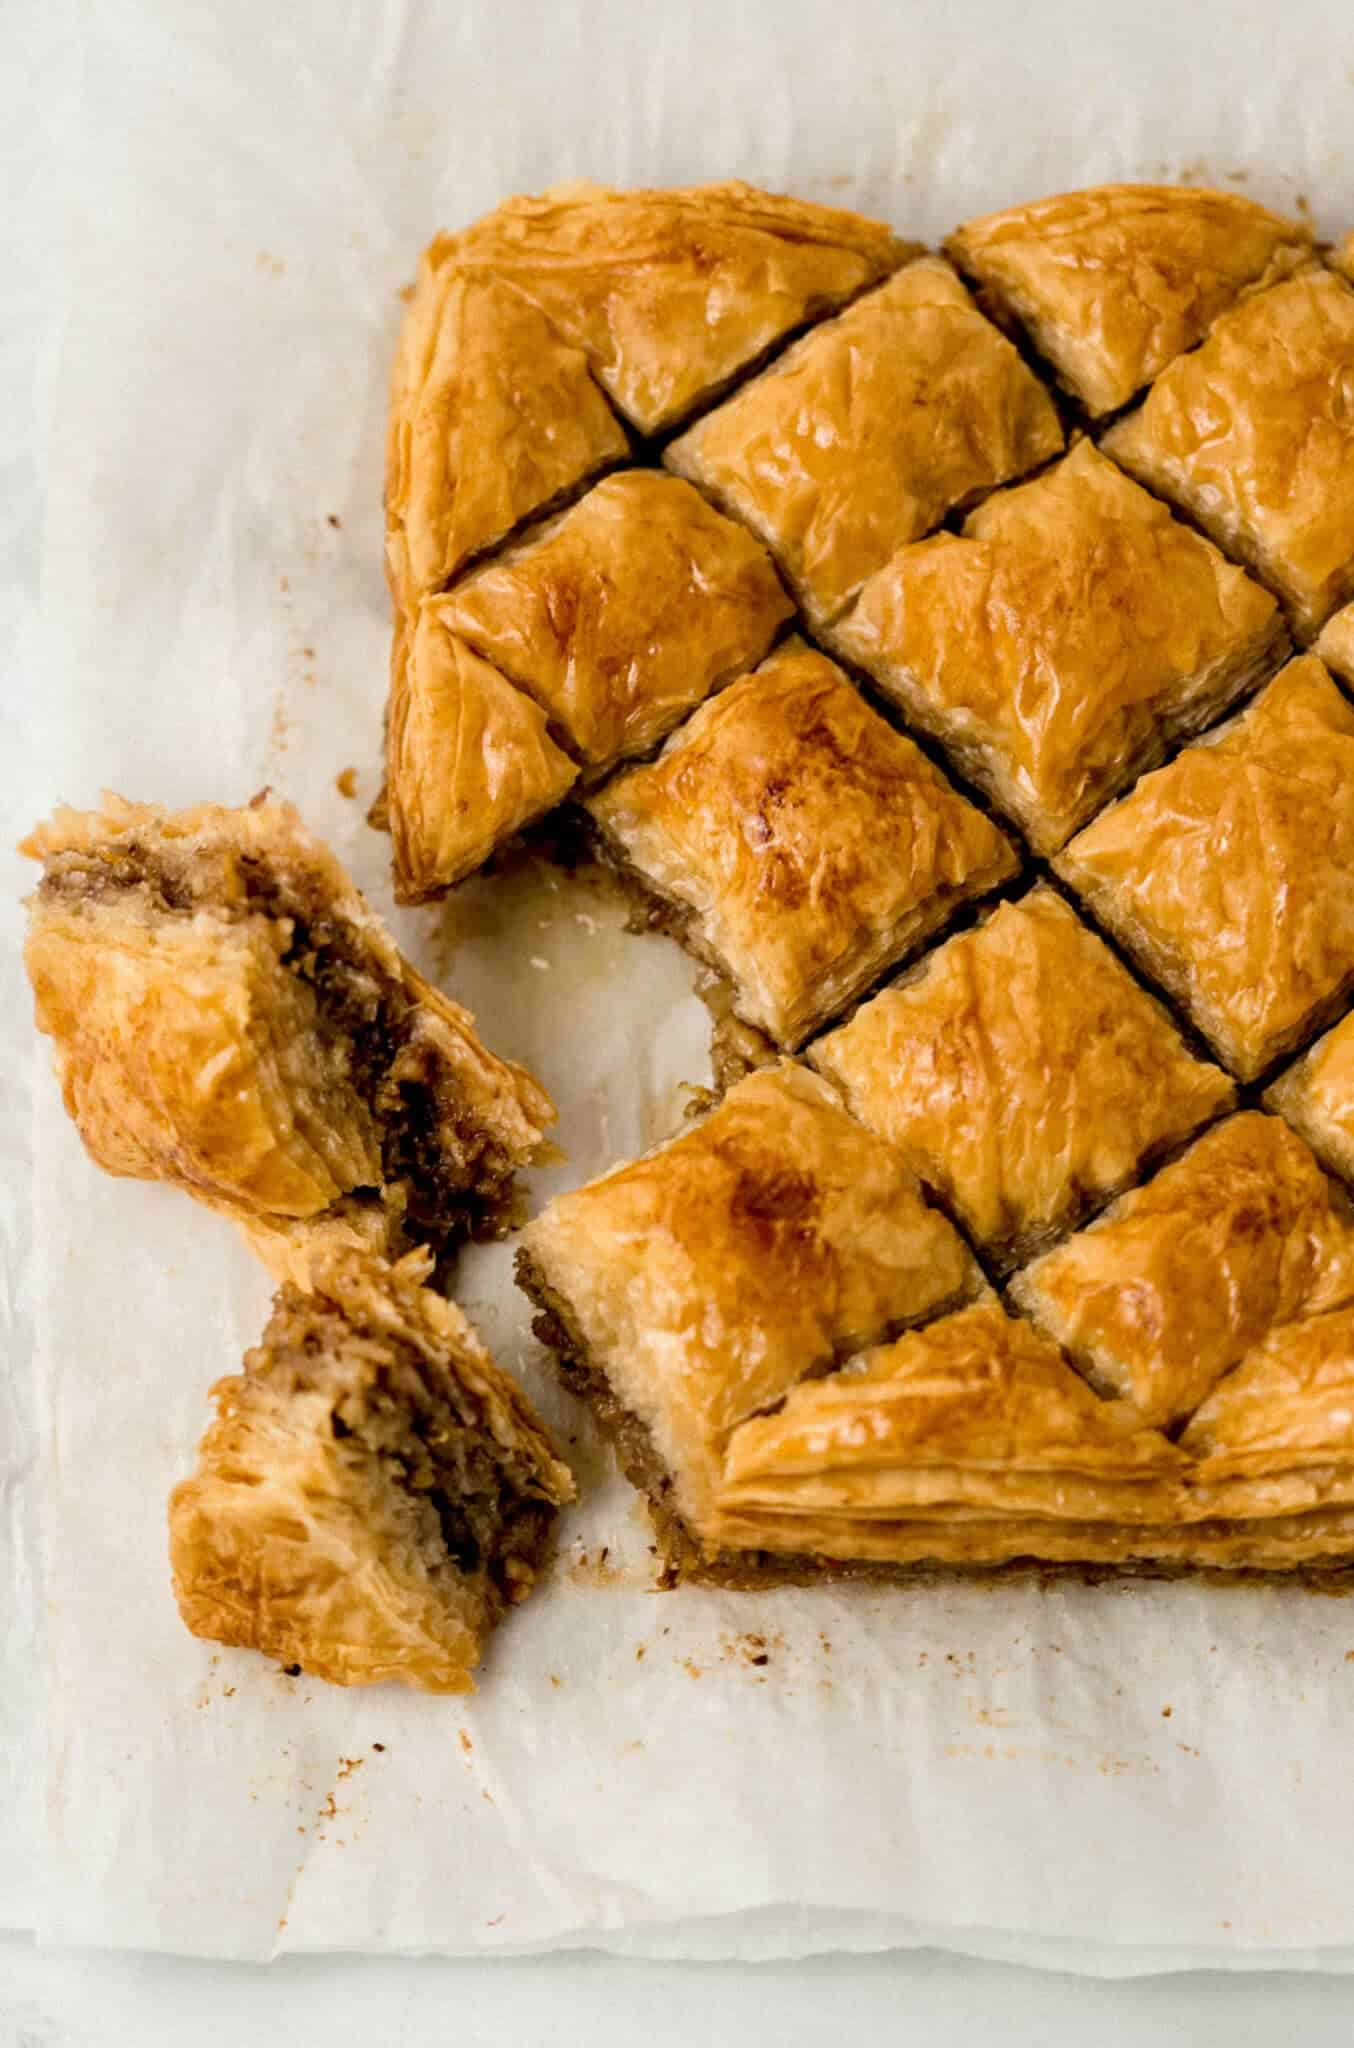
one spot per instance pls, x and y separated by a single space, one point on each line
232 1018
804 844
1113 283
1062 640
1316 1095
623 614
1023 1074
696 1285
1177 1281
1229 874
1275 1440
1253 434
469 758
374 1492
869 430
970 1441
670 294
492 417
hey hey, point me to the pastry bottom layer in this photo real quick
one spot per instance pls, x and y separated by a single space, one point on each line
915 1551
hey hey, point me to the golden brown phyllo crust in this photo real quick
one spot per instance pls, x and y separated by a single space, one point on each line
231 1017
373 1494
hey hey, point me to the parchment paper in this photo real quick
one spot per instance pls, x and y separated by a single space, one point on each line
1111 1778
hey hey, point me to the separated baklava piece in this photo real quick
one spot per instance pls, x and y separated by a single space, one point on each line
231 1017
1176 1282
695 1286
1059 643
869 430
1023 1074
1230 874
374 1492
1316 1094
669 294
1113 283
623 614
800 844
1253 434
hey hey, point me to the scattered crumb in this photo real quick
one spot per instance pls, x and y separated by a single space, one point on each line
554 1680
827 1647
345 782
1166 1713
349 1764
283 584
379 1746
228 1693
328 1811
466 1744
291 1670
271 266
335 521
589 924
692 1668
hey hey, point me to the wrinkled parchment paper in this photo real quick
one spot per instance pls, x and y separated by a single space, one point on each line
1110 1778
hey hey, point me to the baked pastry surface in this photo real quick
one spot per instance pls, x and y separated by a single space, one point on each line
1023 1074
863 435
469 758
623 614
230 1016
703 1280
1229 874
1253 434
374 1492
1112 284
807 844
1178 1280
1316 1095
670 293
492 418
1062 640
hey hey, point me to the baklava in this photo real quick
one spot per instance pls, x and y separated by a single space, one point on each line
373 1494
231 1017
797 842
1229 874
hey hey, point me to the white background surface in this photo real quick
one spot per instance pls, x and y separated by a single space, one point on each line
936 76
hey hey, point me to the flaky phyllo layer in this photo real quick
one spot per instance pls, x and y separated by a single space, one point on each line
231 1017
803 1368
373 1493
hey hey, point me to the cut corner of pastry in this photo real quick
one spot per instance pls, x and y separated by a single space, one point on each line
231 1017
1316 1095
1113 283
374 1492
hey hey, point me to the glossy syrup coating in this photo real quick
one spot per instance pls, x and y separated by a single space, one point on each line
863 435
1253 434
1115 282
706 1278
624 613
810 843
1316 1094
1229 874
1060 642
669 294
1178 1280
1023 1073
